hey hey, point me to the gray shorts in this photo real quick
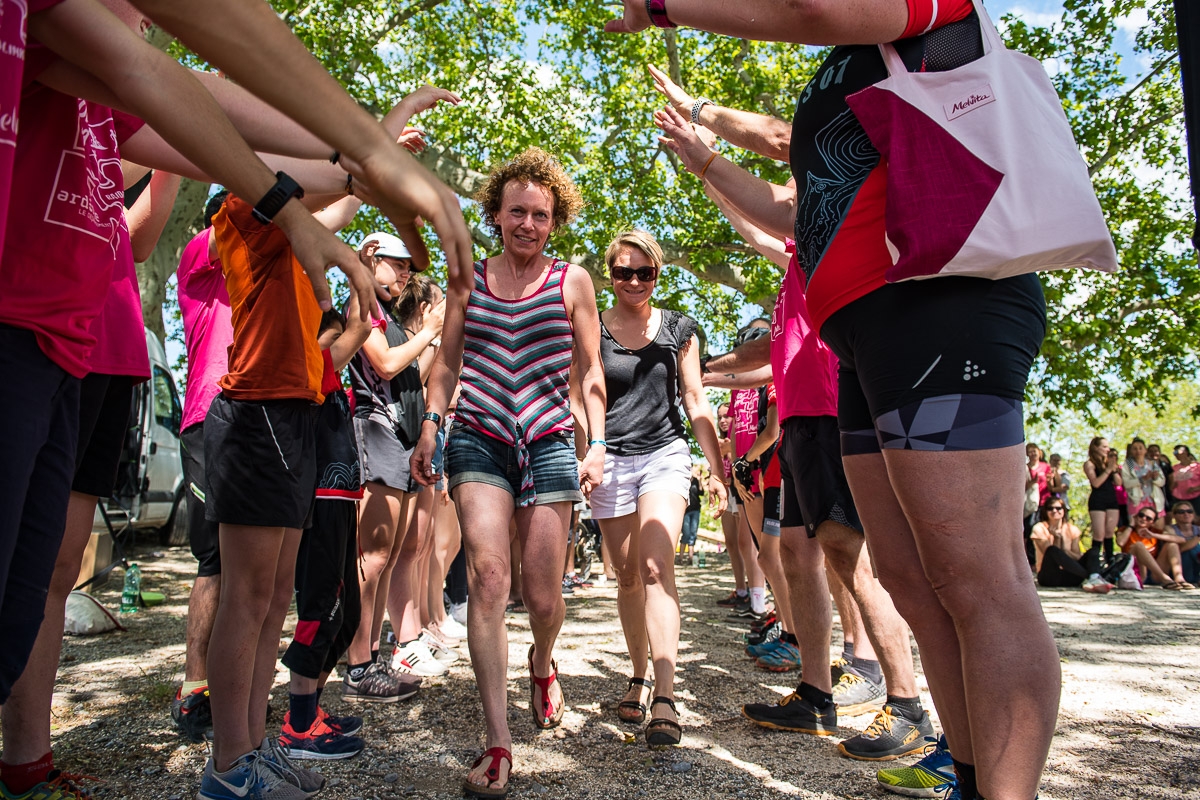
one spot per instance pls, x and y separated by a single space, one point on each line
384 458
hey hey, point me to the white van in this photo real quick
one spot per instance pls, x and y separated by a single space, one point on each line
149 491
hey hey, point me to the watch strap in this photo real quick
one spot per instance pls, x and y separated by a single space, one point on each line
657 9
276 198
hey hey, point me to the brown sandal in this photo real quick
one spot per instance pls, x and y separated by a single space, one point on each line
549 716
496 754
638 708
663 731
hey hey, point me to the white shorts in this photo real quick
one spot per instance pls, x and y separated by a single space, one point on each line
626 478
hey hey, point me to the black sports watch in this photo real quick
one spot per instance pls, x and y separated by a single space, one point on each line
433 417
704 363
276 198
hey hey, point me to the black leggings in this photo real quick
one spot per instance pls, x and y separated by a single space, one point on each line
1060 569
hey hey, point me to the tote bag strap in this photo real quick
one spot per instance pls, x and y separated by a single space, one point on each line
991 41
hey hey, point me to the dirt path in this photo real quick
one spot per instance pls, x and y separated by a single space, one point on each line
1127 729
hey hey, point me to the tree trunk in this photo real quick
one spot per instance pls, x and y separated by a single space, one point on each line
153 275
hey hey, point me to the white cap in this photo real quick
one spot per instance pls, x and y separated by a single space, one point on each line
389 246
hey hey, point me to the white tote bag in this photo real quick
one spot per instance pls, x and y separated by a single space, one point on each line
983 174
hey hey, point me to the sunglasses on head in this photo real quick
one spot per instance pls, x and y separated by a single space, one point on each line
644 274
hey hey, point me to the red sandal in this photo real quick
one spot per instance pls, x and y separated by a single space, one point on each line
496 754
549 716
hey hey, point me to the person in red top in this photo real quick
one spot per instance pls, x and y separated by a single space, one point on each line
931 379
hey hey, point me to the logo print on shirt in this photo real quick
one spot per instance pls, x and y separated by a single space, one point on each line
973 371
96 207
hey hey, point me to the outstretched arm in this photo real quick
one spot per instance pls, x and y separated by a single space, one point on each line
148 215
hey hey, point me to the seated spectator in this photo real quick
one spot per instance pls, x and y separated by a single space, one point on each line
1059 559
1185 528
1156 552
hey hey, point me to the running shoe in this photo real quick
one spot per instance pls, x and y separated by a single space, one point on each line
784 658
415 658
377 684
836 669
453 628
1097 585
756 651
251 777
768 634
855 694
320 742
793 713
306 780
889 736
759 625
458 613
347 725
929 777
58 785
193 714
567 588
440 650
732 599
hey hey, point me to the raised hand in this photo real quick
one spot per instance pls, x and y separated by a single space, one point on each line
681 139
635 19
317 249
680 100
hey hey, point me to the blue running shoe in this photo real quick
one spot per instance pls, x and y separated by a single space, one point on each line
784 658
250 778
932 776
760 650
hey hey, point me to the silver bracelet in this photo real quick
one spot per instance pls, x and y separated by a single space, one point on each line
700 103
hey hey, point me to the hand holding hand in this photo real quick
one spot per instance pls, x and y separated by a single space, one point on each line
591 470
682 140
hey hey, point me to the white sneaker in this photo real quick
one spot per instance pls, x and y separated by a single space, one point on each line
458 613
440 650
415 659
453 628
1096 585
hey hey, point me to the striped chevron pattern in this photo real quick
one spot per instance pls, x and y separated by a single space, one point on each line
516 360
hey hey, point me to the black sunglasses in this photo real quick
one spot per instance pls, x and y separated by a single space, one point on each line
1185 511
644 274
1055 508
1146 517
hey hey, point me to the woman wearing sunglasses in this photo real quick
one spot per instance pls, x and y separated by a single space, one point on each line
1060 562
1189 547
1157 552
651 368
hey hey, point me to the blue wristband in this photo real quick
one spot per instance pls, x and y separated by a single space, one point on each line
600 442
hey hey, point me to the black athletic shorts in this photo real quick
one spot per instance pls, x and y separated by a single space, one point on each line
327 599
814 487
104 403
203 534
937 364
261 462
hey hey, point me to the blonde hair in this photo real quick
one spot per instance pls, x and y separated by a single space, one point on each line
638 240
534 165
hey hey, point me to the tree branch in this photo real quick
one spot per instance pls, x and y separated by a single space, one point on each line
1117 145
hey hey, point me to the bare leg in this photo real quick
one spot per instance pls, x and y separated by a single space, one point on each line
543 533
26 715
1170 561
405 588
852 624
249 564
808 591
661 516
446 541
202 611
846 552
964 585
771 566
268 640
484 513
730 528
620 534
1148 563
379 515
754 574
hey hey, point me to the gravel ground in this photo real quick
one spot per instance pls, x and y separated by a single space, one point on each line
1127 729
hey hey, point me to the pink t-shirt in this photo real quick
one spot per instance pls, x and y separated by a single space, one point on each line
119 330
207 326
63 238
743 409
14 15
1042 474
1187 481
803 367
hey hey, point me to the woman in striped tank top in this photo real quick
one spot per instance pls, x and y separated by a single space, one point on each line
529 324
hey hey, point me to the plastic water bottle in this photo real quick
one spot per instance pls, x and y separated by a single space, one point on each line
701 560
132 590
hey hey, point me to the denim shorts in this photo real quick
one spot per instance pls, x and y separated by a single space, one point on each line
474 457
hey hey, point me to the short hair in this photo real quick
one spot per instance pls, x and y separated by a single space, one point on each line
329 319
638 240
534 165
213 206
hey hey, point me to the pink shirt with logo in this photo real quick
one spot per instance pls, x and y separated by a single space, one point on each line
14 16
803 367
743 410
207 326
64 237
